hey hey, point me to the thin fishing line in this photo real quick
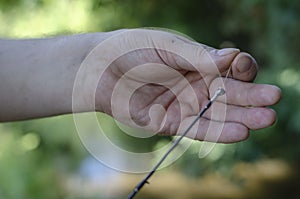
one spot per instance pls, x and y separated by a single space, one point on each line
227 74
219 92
139 186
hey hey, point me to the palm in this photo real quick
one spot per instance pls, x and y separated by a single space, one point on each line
157 79
191 96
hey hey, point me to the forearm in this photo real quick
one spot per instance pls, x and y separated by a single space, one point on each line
37 75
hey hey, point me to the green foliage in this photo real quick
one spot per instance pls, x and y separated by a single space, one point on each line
36 155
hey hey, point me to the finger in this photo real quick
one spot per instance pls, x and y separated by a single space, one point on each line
253 118
244 67
212 131
246 94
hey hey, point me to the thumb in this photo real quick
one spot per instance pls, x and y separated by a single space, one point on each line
244 67
223 58
207 59
192 56
177 51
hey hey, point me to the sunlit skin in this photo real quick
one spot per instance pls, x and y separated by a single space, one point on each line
37 77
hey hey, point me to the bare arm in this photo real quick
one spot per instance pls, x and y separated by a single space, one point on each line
37 75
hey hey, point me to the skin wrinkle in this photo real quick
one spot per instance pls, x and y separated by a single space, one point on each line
118 73
170 123
173 125
160 94
198 53
157 51
191 42
172 100
166 106
244 115
145 118
190 105
255 119
151 59
251 117
172 105
249 97
235 128
105 101
176 60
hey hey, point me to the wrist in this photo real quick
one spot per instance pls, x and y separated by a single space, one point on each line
98 80
91 86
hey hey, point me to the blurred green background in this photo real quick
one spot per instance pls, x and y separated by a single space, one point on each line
44 158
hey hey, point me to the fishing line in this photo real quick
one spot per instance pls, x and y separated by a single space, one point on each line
219 92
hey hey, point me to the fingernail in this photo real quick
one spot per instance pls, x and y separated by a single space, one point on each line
227 51
244 64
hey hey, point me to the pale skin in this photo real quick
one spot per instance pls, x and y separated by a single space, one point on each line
37 78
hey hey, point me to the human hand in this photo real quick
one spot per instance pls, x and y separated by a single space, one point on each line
181 75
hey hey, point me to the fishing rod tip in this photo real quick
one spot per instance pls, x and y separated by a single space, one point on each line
220 91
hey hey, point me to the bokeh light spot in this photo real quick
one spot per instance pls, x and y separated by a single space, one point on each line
30 141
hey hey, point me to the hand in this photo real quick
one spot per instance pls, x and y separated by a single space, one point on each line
181 75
